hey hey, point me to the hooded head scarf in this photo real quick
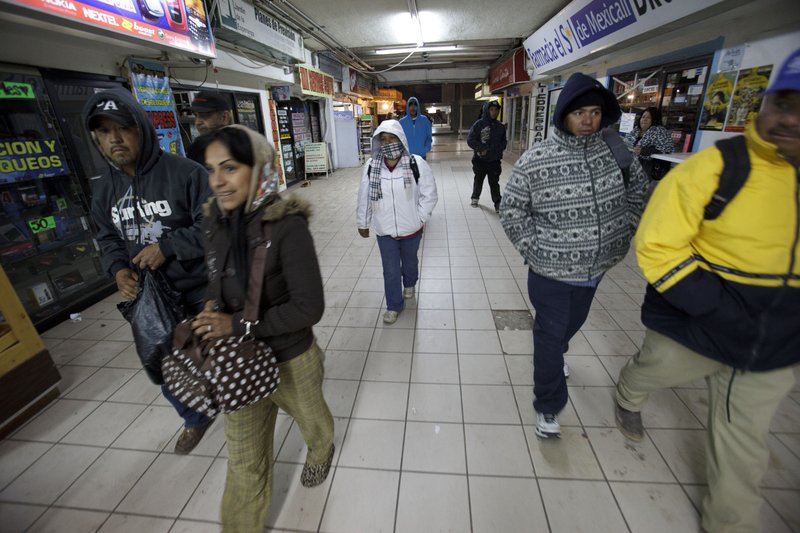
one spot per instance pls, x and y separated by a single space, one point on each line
378 155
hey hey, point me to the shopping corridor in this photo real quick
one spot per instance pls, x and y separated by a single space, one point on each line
434 417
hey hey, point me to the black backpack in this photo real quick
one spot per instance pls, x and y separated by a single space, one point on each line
736 168
413 165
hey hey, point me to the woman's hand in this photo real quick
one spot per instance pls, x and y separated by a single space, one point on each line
637 150
211 324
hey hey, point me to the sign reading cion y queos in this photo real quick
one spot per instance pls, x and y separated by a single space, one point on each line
586 27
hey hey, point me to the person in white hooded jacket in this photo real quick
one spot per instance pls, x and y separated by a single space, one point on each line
396 202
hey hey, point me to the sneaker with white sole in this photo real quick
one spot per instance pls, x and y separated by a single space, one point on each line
547 426
408 293
474 202
566 370
390 317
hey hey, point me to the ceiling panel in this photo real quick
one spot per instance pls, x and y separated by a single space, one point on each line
483 31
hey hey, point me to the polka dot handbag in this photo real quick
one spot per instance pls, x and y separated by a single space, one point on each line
226 374
223 375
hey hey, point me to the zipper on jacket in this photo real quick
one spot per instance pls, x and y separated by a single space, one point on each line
394 206
762 322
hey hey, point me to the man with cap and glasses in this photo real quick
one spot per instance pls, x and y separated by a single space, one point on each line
723 299
148 209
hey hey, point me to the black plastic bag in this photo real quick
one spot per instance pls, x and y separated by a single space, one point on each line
153 315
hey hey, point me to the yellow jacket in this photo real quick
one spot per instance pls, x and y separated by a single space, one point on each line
727 288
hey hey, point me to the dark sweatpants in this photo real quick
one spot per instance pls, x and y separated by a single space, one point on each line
561 310
482 169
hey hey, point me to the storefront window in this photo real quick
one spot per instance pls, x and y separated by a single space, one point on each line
46 242
675 89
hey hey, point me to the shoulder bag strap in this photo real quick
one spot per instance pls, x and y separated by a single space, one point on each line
256 282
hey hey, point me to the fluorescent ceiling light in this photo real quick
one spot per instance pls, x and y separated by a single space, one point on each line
409 49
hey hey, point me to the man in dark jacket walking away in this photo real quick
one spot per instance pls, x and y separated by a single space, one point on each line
569 212
723 299
488 138
148 208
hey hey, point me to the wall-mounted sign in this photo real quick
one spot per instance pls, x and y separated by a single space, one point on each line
241 22
586 27
540 113
180 24
151 89
314 82
358 84
282 93
509 72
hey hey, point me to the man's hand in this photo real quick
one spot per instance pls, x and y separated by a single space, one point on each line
127 283
364 232
150 257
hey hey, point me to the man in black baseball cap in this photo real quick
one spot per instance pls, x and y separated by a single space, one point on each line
211 111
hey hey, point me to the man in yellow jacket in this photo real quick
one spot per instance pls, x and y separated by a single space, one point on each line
723 302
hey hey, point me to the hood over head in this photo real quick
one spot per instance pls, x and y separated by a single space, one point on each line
389 126
120 105
577 90
419 106
487 105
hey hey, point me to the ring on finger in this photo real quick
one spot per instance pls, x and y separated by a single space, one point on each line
209 327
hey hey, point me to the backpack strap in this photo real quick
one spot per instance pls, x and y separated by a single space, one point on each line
621 153
414 168
735 170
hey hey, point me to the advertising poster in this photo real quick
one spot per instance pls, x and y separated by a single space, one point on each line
717 101
747 97
180 24
31 158
151 88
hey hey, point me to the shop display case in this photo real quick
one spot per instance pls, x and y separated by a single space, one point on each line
47 245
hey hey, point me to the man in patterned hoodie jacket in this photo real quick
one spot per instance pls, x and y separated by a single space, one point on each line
569 213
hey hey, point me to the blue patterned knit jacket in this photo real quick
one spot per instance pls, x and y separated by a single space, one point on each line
566 208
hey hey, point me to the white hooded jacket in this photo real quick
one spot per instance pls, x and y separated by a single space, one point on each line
402 211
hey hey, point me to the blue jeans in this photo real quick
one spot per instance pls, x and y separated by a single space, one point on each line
400 267
191 418
561 310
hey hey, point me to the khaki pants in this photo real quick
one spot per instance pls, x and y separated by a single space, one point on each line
736 451
250 432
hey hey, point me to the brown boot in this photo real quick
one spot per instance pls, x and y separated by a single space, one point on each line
190 437
629 423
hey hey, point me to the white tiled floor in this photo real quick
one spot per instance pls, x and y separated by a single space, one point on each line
433 414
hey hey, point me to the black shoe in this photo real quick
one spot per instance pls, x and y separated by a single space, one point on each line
497 208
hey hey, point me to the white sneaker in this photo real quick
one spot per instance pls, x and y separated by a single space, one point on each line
408 293
547 426
390 317
566 370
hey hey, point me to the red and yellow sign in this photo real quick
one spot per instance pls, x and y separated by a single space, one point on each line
315 82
